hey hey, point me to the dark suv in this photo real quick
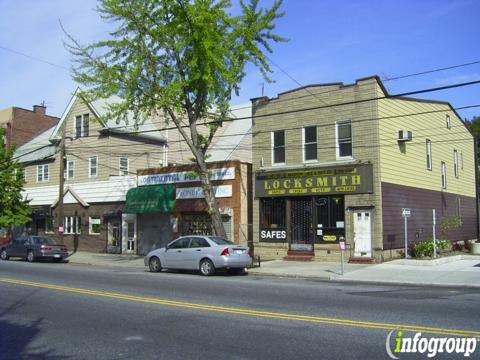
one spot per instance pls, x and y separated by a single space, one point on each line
34 247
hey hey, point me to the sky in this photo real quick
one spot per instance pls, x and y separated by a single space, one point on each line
329 41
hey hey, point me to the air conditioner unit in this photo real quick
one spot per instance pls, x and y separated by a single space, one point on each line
404 135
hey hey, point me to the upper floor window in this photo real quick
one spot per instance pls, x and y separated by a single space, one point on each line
278 147
69 170
455 163
444 175
123 166
310 143
448 122
92 166
81 125
42 173
344 139
428 144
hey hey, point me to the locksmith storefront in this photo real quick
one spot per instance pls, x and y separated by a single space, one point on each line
307 210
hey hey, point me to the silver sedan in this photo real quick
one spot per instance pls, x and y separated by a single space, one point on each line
204 253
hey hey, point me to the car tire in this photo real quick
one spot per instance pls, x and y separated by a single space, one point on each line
154 264
4 255
30 256
207 268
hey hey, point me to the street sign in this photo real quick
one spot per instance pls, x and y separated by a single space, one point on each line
406 212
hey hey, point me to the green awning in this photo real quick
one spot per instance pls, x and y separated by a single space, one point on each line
150 199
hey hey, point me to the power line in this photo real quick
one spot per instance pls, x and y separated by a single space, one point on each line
33 58
430 71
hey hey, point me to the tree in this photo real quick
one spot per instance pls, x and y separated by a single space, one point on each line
13 209
179 58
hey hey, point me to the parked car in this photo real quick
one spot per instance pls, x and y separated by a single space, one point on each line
32 248
203 253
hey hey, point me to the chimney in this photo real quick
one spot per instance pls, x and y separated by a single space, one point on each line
39 109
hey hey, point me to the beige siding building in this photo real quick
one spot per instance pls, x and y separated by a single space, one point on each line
337 161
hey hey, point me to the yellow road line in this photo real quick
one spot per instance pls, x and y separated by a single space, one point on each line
246 312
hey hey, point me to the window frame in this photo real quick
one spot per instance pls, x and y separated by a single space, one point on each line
456 167
68 168
84 130
280 147
90 227
428 150
72 222
90 166
43 167
448 121
305 144
120 171
337 140
444 174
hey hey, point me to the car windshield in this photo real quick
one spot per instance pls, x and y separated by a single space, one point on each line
44 241
220 241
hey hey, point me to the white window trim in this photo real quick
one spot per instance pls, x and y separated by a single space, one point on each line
448 121
67 169
304 145
90 166
428 144
43 173
456 168
70 219
337 144
444 174
90 232
120 171
272 139
82 130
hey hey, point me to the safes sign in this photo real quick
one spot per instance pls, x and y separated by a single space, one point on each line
273 234
345 180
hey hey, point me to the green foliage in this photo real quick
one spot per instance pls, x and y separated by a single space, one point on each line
425 248
13 210
449 223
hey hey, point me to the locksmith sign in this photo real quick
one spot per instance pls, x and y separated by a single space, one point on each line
356 179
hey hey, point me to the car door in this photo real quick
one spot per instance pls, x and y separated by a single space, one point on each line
175 254
15 248
196 251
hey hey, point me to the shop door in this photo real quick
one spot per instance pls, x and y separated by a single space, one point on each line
362 227
301 224
114 237
131 238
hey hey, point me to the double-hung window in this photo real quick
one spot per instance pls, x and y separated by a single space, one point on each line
72 225
123 166
82 125
455 163
428 145
42 173
278 147
92 166
344 139
94 225
444 175
69 171
310 143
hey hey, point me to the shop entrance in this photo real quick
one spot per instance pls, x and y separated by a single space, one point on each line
301 230
362 227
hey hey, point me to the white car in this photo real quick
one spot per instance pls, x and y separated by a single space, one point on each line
195 252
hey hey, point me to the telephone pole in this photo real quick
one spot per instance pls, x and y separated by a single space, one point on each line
60 220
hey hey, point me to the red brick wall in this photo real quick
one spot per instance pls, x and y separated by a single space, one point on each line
27 124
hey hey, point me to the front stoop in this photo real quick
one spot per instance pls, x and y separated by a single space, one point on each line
299 256
361 260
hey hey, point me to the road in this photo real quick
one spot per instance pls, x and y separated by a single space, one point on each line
65 311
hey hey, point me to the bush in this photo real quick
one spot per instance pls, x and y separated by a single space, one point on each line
468 245
425 248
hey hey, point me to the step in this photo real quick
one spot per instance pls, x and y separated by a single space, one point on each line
361 260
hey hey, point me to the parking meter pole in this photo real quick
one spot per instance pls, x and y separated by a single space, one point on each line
406 236
434 240
341 256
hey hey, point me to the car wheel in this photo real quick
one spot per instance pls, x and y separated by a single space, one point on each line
3 254
30 256
154 264
206 267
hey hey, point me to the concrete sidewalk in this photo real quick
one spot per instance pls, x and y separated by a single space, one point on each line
460 270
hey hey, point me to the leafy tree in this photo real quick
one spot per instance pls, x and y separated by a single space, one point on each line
13 209
179 58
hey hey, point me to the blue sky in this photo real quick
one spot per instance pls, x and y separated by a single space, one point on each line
330 41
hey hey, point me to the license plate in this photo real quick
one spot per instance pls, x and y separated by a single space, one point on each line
239 251
56 256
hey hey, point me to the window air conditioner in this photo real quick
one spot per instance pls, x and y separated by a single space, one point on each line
404 135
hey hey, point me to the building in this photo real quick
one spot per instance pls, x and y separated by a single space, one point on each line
22 125
334 160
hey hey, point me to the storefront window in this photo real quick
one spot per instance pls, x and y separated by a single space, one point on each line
273 213
330 218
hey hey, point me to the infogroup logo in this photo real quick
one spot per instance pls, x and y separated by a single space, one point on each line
430 346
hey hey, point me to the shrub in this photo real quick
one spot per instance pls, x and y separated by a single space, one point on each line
425 248
468 245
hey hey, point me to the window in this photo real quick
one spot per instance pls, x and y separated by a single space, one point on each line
180 243
72 225
444 176
310 143
94 225
42 173
278 145
92 166
344 139
123 166
429 154
448 122
461 160
198 243
69 171
273 213
81 125
455 163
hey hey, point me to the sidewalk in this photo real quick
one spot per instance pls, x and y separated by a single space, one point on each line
460 270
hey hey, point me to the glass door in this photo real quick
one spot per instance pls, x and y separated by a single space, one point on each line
301 230
131 236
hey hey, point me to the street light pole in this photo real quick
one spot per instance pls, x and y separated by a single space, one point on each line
61 182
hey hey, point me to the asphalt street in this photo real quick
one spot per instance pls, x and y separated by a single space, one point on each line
65 311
